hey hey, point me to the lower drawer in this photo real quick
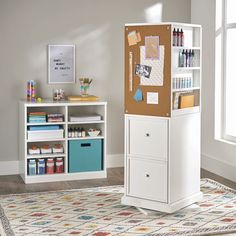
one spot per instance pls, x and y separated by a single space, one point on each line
147 179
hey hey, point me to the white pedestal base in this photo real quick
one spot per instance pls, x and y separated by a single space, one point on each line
160 206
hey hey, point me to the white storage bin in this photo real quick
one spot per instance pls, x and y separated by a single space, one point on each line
45 134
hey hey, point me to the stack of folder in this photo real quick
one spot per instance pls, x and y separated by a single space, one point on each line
37 117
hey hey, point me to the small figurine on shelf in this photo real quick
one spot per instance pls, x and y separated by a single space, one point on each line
84 86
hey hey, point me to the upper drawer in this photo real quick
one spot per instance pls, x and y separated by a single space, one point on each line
148 138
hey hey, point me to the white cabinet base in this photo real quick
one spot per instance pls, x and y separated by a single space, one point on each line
167 179
64 177
159 206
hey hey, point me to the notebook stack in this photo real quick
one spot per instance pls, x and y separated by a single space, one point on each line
55 117
37 117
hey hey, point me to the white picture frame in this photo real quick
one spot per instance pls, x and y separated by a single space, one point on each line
61 64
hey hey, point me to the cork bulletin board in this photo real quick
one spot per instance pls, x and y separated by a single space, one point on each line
148 70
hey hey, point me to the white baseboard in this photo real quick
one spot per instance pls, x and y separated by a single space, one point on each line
115 160
9 167
218 167
12 167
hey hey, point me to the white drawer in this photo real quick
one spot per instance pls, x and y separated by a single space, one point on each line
148 138
148 179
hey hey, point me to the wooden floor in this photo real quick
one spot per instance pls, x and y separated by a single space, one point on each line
14 184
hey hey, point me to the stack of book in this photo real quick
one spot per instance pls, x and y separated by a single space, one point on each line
37 117
55 117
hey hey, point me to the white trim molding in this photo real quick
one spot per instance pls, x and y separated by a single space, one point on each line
115 160
12 167
9 168
218 167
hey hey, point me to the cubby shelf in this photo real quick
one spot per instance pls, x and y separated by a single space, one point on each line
46 140
189 110
189 68
185 89
185 48
68 109
38 156
46 123
86 122
87 137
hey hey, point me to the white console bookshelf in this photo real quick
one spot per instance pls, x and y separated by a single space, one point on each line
66 108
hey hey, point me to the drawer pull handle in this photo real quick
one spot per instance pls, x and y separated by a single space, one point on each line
147 175
147 134
85 144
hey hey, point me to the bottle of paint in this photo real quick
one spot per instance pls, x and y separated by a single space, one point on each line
41 166
174 38
59 165
32 167
181 38
50 166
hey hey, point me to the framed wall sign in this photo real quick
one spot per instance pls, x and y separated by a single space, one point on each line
61 64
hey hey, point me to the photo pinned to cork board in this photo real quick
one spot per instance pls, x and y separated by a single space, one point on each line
133 38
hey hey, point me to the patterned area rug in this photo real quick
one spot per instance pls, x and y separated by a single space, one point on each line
98 212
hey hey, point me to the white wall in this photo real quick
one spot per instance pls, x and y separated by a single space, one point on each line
96 27
218 157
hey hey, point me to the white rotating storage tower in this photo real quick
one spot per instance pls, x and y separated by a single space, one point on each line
162 139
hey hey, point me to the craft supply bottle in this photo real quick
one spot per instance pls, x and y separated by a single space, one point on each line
32 167
174 38
83 132
72 133
80 132
193 62
76 133
181 36
50 166
186 58
59 165
69 132
41 166
174 83
190 82
178 38
182 58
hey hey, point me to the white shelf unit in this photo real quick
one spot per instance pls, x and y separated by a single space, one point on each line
67 109
192 41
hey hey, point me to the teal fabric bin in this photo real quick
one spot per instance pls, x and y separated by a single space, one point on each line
85 155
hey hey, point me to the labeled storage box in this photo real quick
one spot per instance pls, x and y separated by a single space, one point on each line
85 155
45 134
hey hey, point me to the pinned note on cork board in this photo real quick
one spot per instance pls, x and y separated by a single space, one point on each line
157 76
152 48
